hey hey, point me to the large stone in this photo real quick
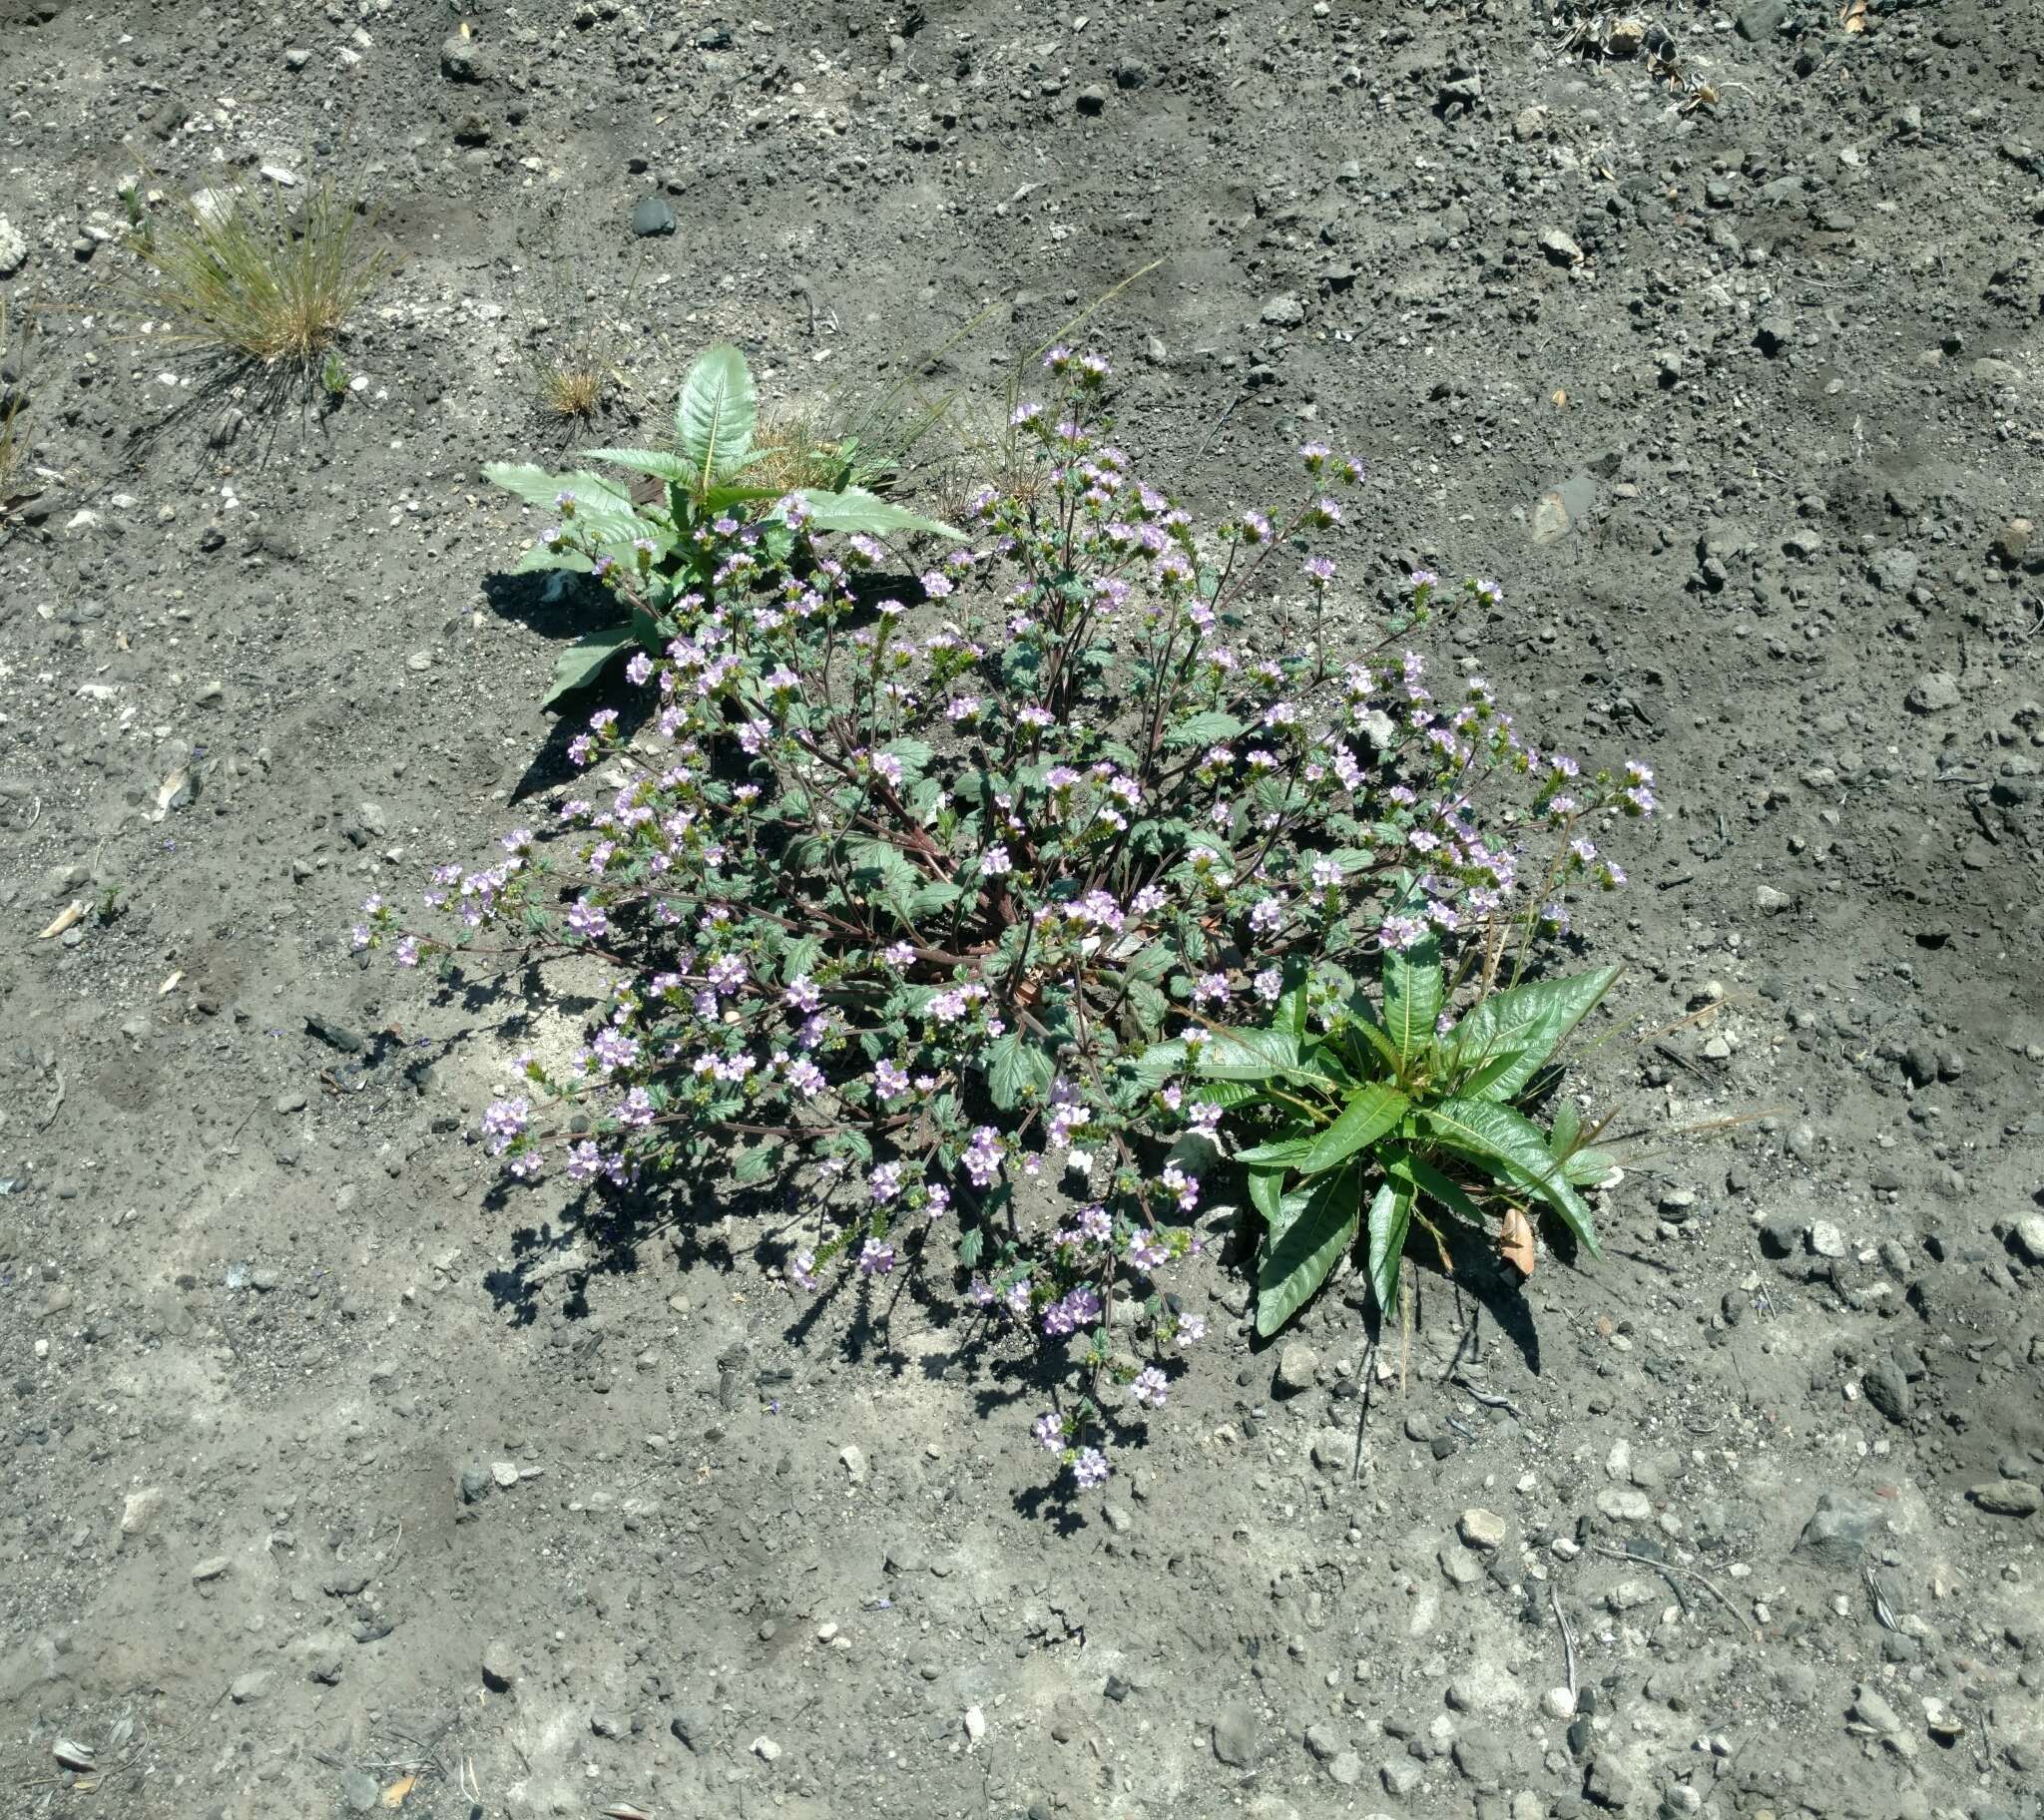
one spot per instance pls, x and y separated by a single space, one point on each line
1481 1528
1297 1365
1334 1450
13 248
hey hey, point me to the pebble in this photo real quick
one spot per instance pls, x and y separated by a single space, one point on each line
13 248
1283 312
2027 1237
1234 1738
504 1473
1092 98
1824 1239
1934 691
765 1749
1481 1528
1836 1533
209 1568
975 1723
1624 1505
1334 1450
853 1460
461 59
499 1665
249 1688
1874 1712
1298 1364
140 1511
2007 1498
359 1791
1559 1703
1559 247
652 218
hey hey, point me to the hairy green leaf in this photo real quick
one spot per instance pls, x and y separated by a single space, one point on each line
1530 1020
1568 1125
662 463
716 414
1248 1055
1513 1148
539 488
1321 1224
1412 997
857 510
1015 1069
1206 728
584 661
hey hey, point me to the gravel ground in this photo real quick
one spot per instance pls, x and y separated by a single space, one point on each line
327 1467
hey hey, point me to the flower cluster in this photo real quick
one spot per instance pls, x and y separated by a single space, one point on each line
917 889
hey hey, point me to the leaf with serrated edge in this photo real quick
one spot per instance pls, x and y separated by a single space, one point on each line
716 413
1296 1263
1412 996
855 509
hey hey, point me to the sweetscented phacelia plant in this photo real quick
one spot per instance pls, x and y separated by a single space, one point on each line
932 889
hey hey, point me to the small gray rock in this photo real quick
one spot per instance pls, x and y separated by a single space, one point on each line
2007 1498
1874 1712
461 59
1887 1389
1334 1450
1283 312
1234 1738
13 248
1481 1528
249 1688
1773 334
1624 1505
209 1568
1559 247
693 1726
1762 20
500 1666
1323 1741
1091 100
1297 1365
359 1791
1824 1239
1609 1783
2026 1239
1936 690
653 217
1836 1537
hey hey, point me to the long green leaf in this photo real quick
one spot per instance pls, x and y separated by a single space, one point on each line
584 661
1282 1153
1390 1212
1370 1112
1266 1194
1530 1020
855 509
716 414
1297 1261
1511 1144
1412 997
1437 1186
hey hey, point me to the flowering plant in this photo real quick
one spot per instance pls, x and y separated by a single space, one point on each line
924 893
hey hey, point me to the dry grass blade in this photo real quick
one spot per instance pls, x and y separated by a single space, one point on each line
572 384
243 277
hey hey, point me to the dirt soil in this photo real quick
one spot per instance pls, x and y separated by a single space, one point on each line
326 1465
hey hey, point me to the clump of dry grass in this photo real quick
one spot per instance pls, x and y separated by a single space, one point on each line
246 278
573 383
